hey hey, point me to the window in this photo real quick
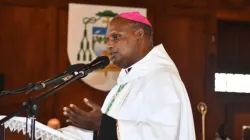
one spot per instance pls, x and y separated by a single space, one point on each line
227 82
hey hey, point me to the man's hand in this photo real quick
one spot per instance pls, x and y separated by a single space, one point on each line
82 119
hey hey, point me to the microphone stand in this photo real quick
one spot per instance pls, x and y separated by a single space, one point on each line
29 88
31 106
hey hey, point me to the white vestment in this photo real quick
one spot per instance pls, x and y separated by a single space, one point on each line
154 104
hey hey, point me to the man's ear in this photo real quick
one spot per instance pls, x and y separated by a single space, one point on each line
139 35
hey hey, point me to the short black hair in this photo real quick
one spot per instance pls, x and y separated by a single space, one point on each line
148 30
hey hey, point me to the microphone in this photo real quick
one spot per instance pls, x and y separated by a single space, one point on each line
100 59
99 63
53 81
62 77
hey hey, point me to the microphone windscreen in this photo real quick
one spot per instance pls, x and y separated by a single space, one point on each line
76 67
105 61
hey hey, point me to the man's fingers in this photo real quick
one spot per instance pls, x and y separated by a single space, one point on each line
78 110
91 104
70 113
76 113
73 123
76 123
73 118
81 118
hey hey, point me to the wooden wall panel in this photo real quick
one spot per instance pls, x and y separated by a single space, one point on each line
27 54
189 3
234 15
240 120
234 4
76 91
233 47
185 41
223 104
237 115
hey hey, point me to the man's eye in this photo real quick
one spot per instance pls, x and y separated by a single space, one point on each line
115 36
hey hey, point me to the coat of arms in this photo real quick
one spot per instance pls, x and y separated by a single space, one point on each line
87 30
89 51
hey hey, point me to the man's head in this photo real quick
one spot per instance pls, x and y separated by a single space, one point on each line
129 39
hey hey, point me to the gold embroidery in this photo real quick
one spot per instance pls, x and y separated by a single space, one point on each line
118 131
110 105
114 97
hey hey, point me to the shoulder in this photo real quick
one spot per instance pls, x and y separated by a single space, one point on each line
164 84
164 78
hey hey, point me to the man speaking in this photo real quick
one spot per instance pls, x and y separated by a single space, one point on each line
149 101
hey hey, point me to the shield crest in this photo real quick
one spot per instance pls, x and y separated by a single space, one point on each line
87 29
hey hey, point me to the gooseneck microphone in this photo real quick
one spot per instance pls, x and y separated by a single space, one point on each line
99 63
83 69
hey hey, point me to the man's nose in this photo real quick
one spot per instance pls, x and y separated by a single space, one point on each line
109 44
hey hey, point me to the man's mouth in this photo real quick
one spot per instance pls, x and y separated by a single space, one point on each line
112 53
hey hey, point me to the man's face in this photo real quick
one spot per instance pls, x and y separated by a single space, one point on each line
122 43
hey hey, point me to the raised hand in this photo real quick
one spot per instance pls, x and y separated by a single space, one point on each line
87 120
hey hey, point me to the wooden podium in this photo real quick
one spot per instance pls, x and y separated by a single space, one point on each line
15 129
6 134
